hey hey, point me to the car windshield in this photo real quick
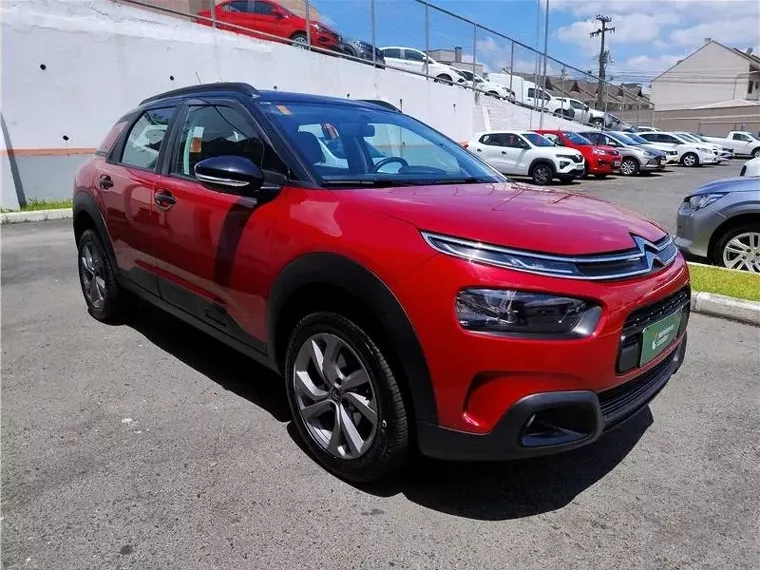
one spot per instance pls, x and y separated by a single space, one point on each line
623 139
637 139
575 138
537 140
345 145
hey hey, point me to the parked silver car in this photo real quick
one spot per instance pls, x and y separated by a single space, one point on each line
721 222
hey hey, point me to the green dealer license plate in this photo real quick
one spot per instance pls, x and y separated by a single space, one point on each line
658 336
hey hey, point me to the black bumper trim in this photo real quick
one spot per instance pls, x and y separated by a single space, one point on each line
507 439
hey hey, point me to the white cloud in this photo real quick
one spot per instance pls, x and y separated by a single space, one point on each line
635 28
496 57
647 64
734 32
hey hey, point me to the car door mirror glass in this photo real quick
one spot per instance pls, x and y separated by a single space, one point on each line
231 172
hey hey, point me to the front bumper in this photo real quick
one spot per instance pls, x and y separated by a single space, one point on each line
603 164
653 164
569 167
552 422
695 228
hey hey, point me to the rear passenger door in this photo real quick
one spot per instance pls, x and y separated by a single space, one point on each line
492 150
125 185
212 243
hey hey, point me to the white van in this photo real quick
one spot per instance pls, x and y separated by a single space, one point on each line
526 92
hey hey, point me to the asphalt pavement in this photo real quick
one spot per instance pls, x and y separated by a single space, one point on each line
147 445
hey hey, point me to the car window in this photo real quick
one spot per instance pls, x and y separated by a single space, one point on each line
496 139
537 140
144 140
236 6
575 138
553 138
741 137
211 131
411 55
263 8
669 139
347 145
392 52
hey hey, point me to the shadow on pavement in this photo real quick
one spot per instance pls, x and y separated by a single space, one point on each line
482 491
230 369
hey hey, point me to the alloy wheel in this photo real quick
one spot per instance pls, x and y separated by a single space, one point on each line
689 160
335 396
301 42
627 168
542 175
743 252
92 275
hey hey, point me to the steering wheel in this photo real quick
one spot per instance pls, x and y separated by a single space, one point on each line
389 160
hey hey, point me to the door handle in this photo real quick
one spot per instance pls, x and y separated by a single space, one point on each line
164 199
503 152
478 150
105 181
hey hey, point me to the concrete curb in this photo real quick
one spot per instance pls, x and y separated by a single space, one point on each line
38 216
747 312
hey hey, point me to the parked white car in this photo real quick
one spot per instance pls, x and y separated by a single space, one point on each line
484 86
524 153
717 149
751 168
410 59
645 129
581 111
689 153
742 142
671 154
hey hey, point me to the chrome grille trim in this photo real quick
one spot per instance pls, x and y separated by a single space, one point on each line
632 263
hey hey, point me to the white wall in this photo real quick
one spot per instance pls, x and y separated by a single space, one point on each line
712 74
103 58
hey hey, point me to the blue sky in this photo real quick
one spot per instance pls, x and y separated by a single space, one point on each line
650 36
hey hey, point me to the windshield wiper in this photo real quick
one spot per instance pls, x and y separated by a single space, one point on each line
368 182
465 180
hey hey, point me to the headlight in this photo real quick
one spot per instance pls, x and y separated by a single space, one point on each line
568 156
508 311
703 200
649 154
703 149
598 152
317 27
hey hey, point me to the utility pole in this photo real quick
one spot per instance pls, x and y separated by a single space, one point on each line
604 55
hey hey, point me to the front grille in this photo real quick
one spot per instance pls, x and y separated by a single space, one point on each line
631 338
639 319
624 400
636 263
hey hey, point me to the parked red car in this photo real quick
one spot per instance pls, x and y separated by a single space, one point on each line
600 160
270 20
412 297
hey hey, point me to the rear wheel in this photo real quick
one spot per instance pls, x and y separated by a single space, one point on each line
443 78
756 153
739 248
345 400
690 159
105 299
542 174
629 167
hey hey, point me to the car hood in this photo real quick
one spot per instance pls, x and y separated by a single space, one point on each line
737 184
512 215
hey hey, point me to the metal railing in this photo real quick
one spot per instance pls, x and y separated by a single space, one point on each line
442 30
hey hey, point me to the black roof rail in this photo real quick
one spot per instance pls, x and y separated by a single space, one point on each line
242 88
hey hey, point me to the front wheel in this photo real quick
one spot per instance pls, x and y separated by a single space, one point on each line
756 153
105 299
738 248
542 174
300 40
629 167
345 401
445 79
690 159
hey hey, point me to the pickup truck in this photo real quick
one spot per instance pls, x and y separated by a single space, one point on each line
743 143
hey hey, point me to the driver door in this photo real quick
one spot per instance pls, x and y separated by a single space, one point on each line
514 153
211 242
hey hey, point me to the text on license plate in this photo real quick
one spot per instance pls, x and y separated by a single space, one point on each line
658 336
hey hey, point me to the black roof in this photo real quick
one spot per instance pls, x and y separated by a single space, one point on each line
267 95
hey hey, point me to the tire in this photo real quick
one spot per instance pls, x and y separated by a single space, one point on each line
385 446
300 40
443 78
629 167
493 94
598 123
756 153
690 159
747 235
542 174
105 299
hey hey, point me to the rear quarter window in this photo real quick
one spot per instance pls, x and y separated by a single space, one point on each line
110 139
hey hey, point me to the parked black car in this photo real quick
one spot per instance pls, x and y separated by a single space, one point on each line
363 50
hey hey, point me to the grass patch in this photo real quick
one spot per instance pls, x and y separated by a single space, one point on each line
728 282
35 205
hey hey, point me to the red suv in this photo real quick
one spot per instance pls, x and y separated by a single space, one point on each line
600 160
270 20
412 297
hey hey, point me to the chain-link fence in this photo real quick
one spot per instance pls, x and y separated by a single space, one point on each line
489 62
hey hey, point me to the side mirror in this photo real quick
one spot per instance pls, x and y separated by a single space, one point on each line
231 172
